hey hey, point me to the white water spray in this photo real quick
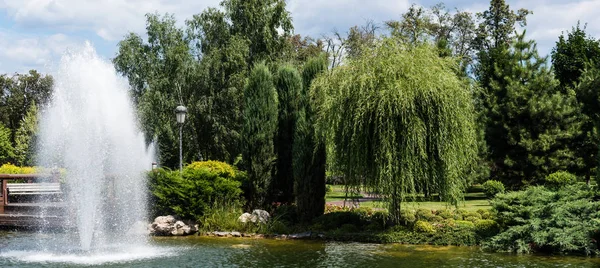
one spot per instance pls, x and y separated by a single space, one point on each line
90 129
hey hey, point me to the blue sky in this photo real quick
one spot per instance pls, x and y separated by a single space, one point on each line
35 33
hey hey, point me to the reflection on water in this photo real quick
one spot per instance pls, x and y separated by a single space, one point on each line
22 249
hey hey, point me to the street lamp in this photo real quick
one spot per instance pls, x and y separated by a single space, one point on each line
180 112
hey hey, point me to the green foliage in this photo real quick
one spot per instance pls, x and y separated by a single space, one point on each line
423 227
532 122
560 179
400 120
487 228
588 96
492 187
289 85
464 224
445 214
309 156
7 152
424 214
26 136
9 168
572 54
407 217
334 220
540 220
194 192
260 126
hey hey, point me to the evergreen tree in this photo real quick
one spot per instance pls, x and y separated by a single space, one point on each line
289 84
588 95
533 123
258 132
25 138
571 54
308 150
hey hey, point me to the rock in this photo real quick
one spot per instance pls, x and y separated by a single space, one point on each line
245 218
168 225
304 235
260 216
236 234
221 234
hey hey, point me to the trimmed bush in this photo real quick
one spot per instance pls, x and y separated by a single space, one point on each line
487 228
423 227
472 217
191 193
560 179
492 187
464 224
485 214
424 214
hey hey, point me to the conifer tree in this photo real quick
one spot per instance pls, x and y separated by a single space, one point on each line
309 151
533 123
25 137
288 84
260 125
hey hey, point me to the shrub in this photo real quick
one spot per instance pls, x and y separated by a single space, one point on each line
335 220
423 227
286 213
328 188
348 228
485 214
491 188
464 224
191 193
560 179
487 228
424 214
437 219
540 220
407 217
472 217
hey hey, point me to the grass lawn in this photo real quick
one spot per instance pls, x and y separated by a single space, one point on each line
473 201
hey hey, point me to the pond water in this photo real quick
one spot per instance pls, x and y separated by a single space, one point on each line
27 249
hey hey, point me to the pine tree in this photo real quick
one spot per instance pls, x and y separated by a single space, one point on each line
532 122
6 148
308 151
289 84
260 125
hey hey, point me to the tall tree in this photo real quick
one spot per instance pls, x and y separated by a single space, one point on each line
308 149
288 84
571 54
161 74
259 22
19 92
533 122
258 133
25 138
399 117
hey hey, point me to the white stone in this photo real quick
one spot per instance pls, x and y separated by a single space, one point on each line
260 216
245 218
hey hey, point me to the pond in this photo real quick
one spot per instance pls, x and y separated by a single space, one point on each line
22 249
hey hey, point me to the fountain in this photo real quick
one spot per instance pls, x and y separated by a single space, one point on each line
91 130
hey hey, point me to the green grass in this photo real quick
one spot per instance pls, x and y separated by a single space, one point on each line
473 201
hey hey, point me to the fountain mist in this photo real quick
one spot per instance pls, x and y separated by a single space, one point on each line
90 129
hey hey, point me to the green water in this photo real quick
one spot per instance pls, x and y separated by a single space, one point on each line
19 249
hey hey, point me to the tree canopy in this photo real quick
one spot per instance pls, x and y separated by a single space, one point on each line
401 121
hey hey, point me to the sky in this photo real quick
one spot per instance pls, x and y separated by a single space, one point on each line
35 33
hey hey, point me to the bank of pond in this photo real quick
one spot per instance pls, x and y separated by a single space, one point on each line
31 249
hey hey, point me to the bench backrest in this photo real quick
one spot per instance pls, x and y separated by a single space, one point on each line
33 188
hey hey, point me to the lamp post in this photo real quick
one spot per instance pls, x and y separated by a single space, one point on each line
180 112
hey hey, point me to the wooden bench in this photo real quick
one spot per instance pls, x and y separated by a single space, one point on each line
30 188
33 188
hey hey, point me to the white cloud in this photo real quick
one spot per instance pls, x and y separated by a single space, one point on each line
316 18
109 19
20 53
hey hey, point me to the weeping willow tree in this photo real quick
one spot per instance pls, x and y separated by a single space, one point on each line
400 122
